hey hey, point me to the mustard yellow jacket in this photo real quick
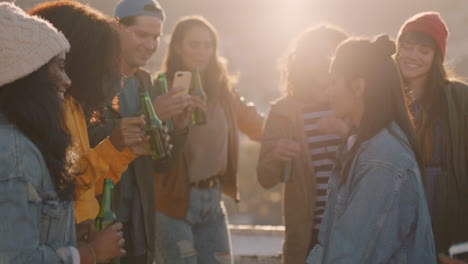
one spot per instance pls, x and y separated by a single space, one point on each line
93 164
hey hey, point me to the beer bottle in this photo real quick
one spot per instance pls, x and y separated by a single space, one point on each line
154 128
106 216
288 165
162 89
198 115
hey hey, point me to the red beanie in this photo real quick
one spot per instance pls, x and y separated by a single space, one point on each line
430 23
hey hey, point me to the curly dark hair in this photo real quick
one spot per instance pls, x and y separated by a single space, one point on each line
33 106
93 60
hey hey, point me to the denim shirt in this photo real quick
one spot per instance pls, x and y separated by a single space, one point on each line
379 214
35 226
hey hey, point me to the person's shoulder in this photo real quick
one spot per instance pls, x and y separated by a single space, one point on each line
8 135
458 88
459 85
398 155
17 153
458 94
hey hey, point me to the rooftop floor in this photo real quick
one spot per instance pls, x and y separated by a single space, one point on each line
257 244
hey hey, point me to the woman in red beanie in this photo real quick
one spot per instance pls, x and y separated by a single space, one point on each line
440 108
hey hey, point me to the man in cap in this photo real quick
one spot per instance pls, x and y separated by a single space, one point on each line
139 25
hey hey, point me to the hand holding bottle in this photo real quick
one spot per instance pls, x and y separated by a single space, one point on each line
286 149
197 102
182 120
128 132
144 147
155 129
107 244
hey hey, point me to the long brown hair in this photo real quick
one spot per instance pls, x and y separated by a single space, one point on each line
307 43
384 97
433 105
93 61
217 82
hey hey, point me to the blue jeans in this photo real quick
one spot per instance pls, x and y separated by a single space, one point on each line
201 238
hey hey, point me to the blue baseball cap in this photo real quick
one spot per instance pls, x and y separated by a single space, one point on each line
129 8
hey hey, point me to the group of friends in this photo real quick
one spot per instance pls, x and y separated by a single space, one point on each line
374 131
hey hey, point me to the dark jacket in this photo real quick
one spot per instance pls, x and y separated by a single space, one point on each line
450 221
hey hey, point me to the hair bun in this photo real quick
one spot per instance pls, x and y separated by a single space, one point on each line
384 45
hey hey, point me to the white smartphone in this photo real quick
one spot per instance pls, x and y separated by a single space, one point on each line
182 79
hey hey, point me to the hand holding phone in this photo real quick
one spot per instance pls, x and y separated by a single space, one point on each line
182 79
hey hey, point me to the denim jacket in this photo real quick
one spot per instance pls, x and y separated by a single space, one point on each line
379 214
35 226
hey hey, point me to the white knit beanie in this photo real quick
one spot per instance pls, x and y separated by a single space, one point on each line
26 43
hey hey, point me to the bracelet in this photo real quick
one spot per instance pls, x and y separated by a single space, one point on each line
92 252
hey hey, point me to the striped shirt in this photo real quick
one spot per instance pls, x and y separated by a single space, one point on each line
323 148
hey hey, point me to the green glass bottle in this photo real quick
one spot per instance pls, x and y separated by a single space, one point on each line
198 115
288 165
106 216
154 128
162 81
